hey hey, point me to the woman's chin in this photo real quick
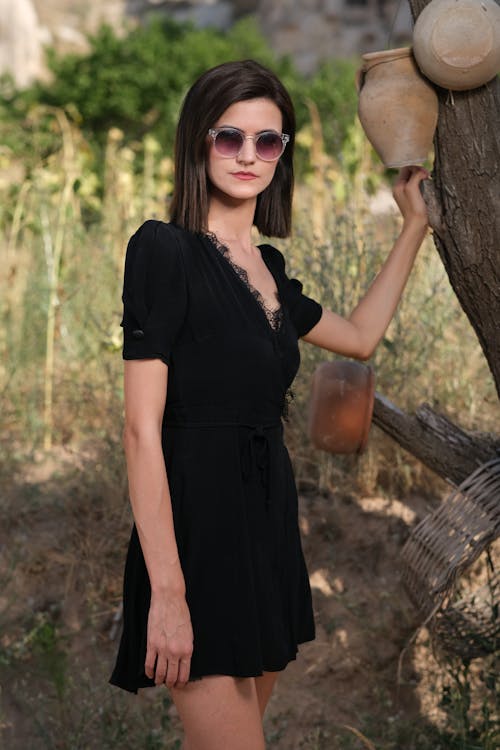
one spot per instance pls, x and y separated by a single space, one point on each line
234 195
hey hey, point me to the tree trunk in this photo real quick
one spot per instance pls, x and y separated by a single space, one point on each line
465 200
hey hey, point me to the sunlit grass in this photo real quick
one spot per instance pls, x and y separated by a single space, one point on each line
64 235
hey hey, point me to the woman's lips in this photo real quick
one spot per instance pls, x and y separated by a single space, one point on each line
244 175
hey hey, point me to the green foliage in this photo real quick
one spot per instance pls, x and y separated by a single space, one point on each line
136 82
14 134
334 93
41 643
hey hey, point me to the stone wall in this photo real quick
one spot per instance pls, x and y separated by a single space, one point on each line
313 30
308 30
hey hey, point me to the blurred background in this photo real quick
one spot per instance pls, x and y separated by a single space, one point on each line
89 99
308 31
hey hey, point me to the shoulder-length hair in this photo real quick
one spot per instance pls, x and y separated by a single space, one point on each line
205 102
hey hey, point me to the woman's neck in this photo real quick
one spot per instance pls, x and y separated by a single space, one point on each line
231 220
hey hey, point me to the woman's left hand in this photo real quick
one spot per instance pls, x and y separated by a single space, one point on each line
406 192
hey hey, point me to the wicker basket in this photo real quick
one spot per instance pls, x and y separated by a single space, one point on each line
470 626
441 548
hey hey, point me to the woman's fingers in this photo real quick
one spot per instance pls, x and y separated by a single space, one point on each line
184 668
177 672
404 174
409 176
149 665
407 193
161 670
172 673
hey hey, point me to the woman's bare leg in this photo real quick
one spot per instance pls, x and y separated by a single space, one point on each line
264 686
220 712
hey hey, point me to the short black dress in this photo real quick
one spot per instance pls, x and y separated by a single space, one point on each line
233 492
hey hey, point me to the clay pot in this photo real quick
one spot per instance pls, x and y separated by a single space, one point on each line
341 406
457 42
398 108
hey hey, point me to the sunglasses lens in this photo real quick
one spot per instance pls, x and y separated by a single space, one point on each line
269 146
228 142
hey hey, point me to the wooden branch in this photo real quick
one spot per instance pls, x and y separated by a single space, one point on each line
450 451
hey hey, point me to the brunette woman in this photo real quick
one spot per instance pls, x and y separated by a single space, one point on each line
216 594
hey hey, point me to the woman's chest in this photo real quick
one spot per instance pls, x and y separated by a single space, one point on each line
228 335
223 298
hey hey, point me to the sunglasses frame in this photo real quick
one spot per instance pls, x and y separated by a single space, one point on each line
214 132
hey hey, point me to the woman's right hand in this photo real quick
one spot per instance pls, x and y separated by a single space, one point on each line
170 640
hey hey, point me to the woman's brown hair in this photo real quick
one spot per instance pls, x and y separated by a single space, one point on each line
205 102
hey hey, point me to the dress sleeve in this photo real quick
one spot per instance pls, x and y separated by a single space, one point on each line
304 311
154 293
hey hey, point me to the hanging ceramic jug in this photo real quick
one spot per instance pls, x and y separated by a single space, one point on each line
397 108
341 406
457 42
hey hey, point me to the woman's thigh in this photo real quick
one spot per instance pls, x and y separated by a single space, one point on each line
220 711
265 685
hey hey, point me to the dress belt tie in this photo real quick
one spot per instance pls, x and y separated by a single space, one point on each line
256 459
255 456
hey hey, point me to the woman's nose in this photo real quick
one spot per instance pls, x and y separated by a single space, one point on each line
247 153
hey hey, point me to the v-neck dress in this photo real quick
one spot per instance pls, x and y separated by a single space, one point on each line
231 482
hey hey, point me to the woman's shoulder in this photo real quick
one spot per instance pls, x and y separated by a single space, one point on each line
157 231
273 256
159 242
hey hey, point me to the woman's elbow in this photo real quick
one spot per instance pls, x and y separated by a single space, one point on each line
361 344
365 353
130 437
136 433
363 348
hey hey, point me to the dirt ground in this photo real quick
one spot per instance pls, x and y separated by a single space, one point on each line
60 588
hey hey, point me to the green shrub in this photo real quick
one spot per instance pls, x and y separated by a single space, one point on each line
137 81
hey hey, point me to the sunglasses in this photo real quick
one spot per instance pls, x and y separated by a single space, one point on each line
228 142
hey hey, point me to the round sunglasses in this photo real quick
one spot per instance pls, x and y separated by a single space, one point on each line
228 142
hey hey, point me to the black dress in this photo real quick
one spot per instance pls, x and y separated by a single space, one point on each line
233 492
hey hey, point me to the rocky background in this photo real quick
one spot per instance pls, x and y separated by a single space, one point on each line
308 30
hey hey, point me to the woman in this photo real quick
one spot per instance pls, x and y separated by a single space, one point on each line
216 596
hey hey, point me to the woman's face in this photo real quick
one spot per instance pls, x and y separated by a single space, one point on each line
244 176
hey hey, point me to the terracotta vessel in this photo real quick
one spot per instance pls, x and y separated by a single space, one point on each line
341 406
456 43
398 108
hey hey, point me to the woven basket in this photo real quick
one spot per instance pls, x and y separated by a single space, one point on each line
470 626
441 548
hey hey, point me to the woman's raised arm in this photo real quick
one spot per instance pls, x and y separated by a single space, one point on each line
170 635
358 335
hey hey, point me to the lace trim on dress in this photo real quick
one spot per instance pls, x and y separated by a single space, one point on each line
274 315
